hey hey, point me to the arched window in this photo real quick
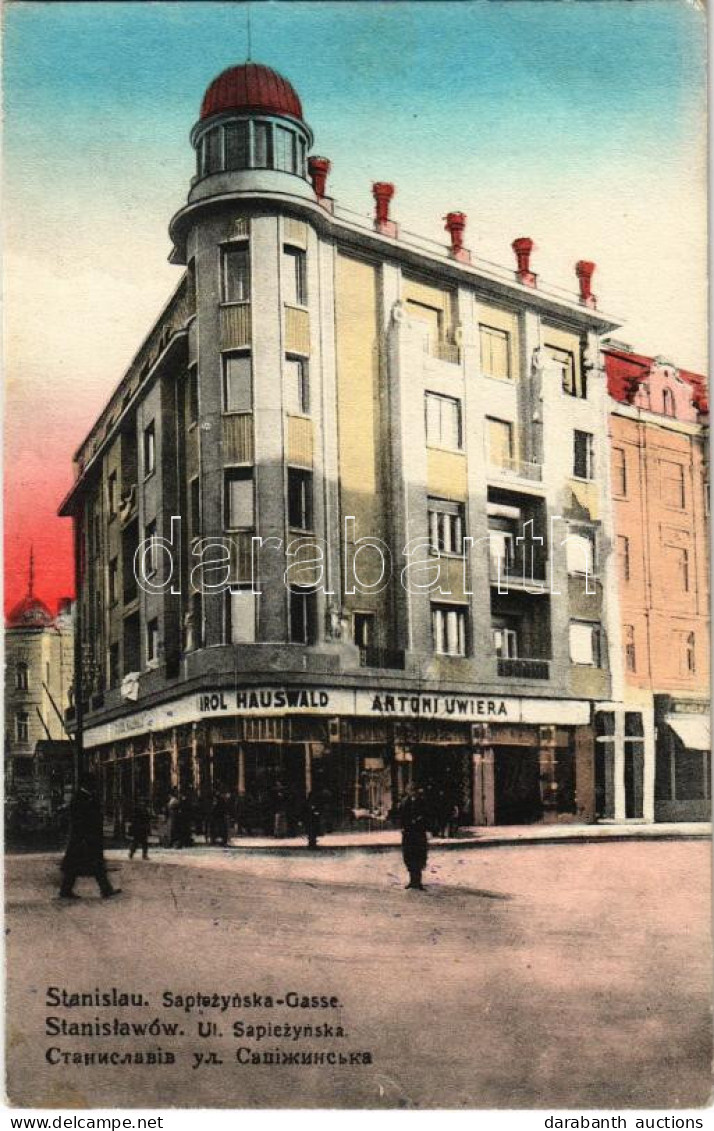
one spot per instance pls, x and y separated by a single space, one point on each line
22 676
22 726
668 402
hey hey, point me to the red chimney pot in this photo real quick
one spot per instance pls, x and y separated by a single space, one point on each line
584 270
523 247
455 225
318 168
382 191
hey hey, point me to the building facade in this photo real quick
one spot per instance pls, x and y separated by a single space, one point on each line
659 431
346 521
39 664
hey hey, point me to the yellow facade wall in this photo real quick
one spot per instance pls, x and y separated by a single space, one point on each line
446 475
358 412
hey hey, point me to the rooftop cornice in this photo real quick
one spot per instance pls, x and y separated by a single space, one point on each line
478 274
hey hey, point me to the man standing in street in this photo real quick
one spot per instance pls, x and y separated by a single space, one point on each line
413 819
85 847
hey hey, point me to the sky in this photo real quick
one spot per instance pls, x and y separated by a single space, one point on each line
581 125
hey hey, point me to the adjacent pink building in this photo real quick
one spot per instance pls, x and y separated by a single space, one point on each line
659 434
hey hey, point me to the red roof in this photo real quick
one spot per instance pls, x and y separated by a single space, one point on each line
251 87
30 612
626 370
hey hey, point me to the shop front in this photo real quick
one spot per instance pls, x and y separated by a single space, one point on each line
357 752
682 759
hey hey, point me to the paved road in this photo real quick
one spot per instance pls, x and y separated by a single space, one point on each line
533 976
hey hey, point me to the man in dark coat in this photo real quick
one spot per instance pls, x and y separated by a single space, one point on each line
85 848
140 828
413 817
311 817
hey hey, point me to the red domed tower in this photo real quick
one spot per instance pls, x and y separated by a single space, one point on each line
250 136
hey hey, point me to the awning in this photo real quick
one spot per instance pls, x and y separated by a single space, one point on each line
693 730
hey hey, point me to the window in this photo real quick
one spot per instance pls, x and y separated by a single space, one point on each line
238 500
679 566
262 146
630 654
505 640
211 146
149 449
294 277
22 676
22 726
563 363
151 558
235 274
363 630
495 352
113 581
237 383
583 455
501 548
446 526
193 624
443 421
285 150
448 624
236 145
580 552
619 472
299 499
585 643
195 504
500 442
113 665
432 320
302 615
297 386
623 556
112 495
152 641
668 402
672 484
687 654
240 616
193 394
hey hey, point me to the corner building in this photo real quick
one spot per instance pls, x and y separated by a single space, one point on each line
317 376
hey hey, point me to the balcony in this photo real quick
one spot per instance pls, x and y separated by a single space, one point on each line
381 658
511 576
512 468
442 350
518 667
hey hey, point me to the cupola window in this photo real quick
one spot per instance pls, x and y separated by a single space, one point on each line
236 145
262 146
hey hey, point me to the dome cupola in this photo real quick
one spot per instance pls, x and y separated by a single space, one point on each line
250 135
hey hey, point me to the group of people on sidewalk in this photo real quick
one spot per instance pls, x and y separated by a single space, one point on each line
85 848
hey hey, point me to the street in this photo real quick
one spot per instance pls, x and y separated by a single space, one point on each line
541 976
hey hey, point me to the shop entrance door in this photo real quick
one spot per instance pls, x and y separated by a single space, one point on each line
517 785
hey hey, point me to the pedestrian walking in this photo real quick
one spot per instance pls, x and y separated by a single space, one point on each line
311 818
85 847
140 829
414 819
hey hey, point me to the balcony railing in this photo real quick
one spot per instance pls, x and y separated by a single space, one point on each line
514 468
381 658
505 574
442 350
521 668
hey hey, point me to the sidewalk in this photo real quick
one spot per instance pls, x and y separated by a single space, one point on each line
384 840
